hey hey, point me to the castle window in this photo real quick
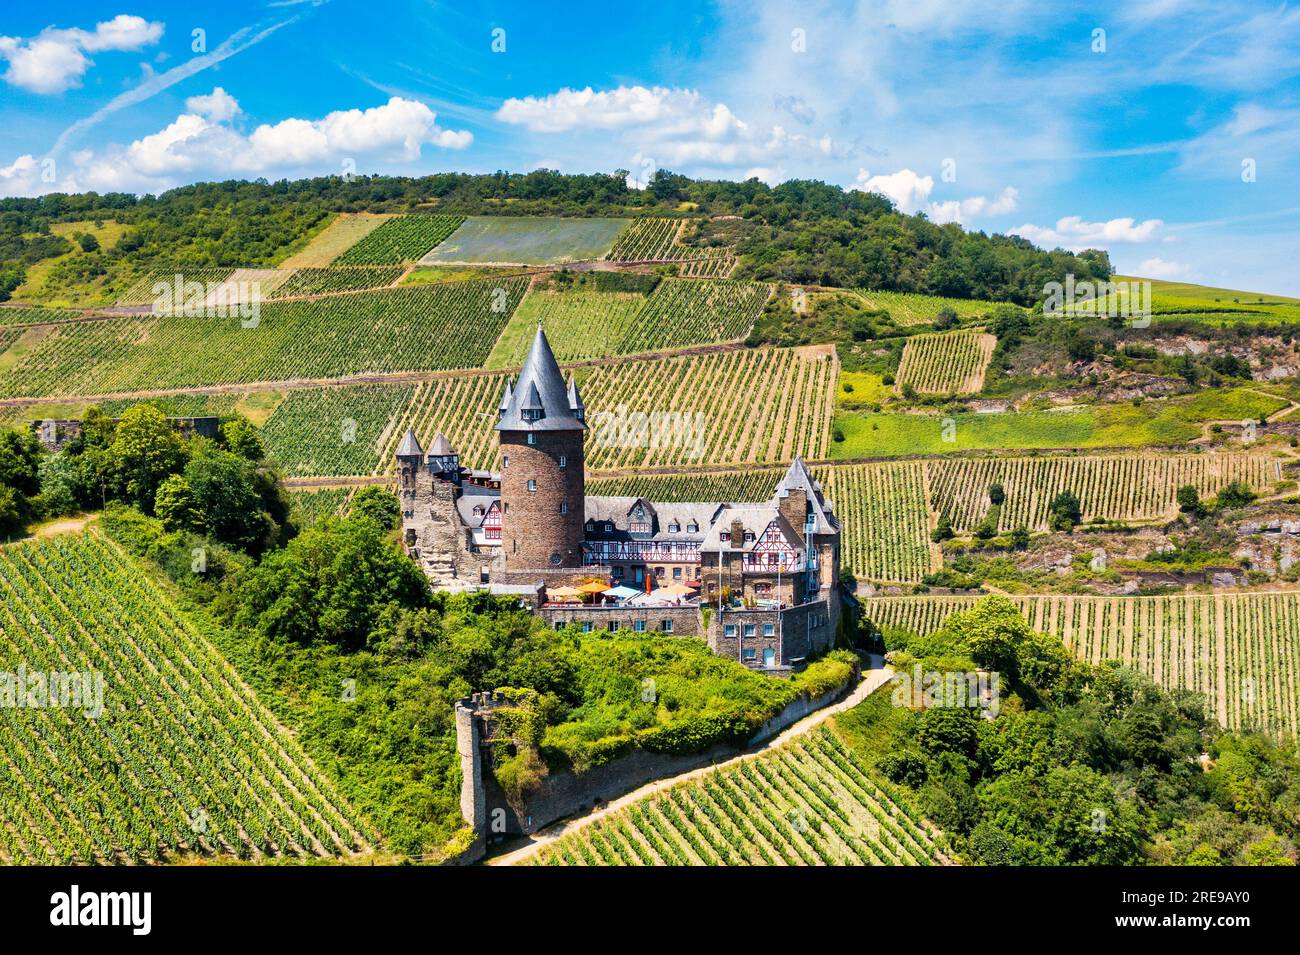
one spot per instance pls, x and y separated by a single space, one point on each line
564 507
532 438
769 629
580 414
531 414
749 537
586 626
693 528
725 535
749 629
677 573
674 528
613 626
556 559
638 626
564 461
749 654
618 573
505 461
591 526
478 510
729 630
532 485
608 527
666 626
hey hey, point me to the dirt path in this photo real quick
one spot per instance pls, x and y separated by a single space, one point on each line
872 680
67 525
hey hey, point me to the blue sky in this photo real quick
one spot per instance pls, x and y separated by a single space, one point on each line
1167 132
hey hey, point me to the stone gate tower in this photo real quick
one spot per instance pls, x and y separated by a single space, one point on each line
543 483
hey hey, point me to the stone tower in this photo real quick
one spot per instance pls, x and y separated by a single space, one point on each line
543 485
410 458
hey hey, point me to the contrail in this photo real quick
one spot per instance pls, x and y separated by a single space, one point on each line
237 42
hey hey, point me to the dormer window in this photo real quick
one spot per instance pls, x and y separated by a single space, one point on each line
693 528
608 527
478 510
531 414
580 414
674 528
725 535
591 525
749 537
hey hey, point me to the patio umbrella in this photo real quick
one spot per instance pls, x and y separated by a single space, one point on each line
677 590
593 587
565 593
621 592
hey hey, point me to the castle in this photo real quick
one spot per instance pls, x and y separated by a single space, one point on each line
758 581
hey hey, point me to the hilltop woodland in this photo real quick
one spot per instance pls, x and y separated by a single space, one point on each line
804 232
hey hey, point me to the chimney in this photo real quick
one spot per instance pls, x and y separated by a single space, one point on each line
793 505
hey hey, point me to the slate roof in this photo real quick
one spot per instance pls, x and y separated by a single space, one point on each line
754 518
441 446
798 476
410 446
540 387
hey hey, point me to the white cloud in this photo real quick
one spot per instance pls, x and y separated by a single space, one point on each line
908 190
1158 268
201 144
674 126
218 106
55 60
1073 232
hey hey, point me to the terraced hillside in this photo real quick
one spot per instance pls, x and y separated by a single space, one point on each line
183 758
401 329
1120 487
811 802
1241 651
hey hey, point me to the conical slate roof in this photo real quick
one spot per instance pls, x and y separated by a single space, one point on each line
540 388
410 446
505 398
441 446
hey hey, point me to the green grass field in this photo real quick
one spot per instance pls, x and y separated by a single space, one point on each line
527 241
1097 426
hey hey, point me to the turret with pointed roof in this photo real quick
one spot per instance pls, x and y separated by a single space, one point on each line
543 484
410 446
539 399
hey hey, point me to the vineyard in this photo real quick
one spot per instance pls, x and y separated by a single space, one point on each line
344 231
659 240
752 406
25 315
527 240
141 292
183 758
886 524
1133 487
734 486
400 239
319 281
579 325
812 802
339 430
1241 651
910 308
683 312
950 363
311 506
420 328
462 408
583 324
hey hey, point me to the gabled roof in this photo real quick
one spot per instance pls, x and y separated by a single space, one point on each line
410 446
797 477
540 388
441 446
755 519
